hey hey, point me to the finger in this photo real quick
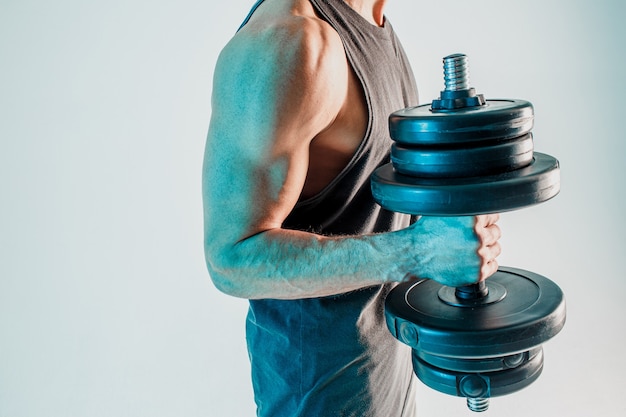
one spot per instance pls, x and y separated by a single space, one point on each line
486 220
495 250
486 228
489 264
489 253
487 236
491 235
488 269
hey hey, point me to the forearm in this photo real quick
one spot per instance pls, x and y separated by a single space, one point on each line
288 264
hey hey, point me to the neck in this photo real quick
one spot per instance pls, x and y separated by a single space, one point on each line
372 10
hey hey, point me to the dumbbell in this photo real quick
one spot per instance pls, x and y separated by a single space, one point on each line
463 155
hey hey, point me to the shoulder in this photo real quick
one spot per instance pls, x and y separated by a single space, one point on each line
291 68
288 47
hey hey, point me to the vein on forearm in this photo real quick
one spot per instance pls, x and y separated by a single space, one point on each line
292 264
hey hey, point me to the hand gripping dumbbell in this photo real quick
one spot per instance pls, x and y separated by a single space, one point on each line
463 155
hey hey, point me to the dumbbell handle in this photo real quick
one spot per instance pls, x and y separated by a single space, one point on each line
472 291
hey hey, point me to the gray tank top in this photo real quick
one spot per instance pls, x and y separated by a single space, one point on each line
334 356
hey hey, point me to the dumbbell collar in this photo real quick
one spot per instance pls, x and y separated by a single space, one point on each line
455 100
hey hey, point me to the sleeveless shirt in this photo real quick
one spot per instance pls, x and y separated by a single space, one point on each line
333 356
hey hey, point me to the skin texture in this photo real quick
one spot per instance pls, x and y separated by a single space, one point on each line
287 115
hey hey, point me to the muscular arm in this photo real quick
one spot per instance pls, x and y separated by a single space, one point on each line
274 91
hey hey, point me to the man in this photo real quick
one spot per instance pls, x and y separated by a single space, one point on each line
299 121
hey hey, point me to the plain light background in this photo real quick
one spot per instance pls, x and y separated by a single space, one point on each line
106 308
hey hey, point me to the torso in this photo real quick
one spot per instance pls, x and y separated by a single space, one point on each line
331 150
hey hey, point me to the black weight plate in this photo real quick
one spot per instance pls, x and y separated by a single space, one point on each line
498 119
536 183
499 363
483 158
532 312
483 385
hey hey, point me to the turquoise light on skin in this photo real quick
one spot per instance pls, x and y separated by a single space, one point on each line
276 87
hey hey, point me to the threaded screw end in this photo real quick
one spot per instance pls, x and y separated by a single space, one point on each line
457 94
455 72
478 405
